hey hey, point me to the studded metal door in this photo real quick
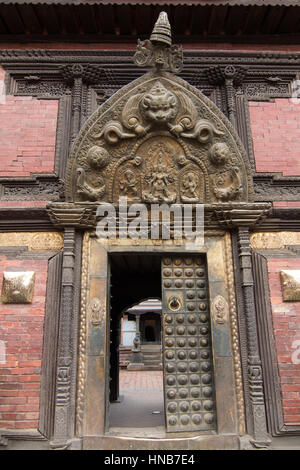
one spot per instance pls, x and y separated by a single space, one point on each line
188 367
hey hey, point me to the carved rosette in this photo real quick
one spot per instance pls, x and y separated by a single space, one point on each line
158 140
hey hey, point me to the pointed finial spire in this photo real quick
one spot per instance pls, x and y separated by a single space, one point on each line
158 51
162 30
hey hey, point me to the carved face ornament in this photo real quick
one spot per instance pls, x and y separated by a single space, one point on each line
159 105
219 153
97 157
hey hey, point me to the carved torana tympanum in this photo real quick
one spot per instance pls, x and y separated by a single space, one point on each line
158 140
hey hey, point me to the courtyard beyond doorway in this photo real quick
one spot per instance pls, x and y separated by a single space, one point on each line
141 403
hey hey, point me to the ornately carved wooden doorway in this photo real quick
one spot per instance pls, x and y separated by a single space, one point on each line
189 398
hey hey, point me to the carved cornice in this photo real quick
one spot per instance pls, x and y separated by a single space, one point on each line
16 219
246 215
217 75
125 56
72 215
89 73
275 187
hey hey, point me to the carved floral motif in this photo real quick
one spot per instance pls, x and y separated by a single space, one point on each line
33 240
273 240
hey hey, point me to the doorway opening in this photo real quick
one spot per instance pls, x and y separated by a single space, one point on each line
136 377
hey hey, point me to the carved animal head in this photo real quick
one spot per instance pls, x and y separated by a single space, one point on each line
159 105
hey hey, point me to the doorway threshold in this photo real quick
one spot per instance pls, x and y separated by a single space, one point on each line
113 441
157 432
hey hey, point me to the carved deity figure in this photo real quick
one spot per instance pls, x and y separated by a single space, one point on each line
189 186
159 179
128 183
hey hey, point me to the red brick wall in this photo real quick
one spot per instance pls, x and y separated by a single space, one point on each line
21 330
276 136
287 203
286 323
27 134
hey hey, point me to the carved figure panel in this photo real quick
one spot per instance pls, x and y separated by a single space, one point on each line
96 312
158 140
191 184
128 183
219 310
160 176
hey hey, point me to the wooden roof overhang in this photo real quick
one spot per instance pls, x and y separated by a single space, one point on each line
117 21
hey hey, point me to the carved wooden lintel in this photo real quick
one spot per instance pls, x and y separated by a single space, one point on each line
83 215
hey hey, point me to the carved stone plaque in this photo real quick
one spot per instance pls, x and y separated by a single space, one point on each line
290 285
187 351
17 287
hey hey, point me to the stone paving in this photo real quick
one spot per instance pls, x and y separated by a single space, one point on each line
141 394
141 380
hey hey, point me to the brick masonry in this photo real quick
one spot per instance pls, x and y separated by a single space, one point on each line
286 323
21 333
140 380
27 134
295 204
276 136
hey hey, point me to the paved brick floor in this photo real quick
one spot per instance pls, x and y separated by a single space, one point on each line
141 380
141 393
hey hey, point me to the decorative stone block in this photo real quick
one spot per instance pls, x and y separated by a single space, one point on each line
17 287
290 285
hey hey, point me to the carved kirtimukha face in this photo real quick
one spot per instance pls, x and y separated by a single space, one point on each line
159 105
219 153
97 157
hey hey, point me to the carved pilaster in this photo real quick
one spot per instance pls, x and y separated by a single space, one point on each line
228 77
76 106
76 75
256 392
63 424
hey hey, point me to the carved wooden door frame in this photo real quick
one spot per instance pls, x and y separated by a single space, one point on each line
92 380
